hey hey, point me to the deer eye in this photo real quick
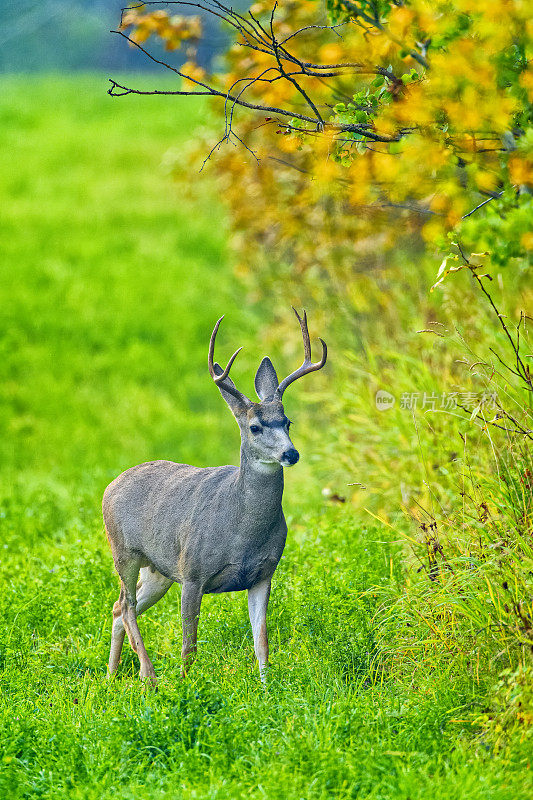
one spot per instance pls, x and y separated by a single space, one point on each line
255 428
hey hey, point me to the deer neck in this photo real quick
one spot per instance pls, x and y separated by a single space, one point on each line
261 485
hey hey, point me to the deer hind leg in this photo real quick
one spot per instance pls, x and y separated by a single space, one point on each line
129 572
191 599
117 639
258 597
150 588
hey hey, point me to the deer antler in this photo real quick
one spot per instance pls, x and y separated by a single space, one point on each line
220 380
308 365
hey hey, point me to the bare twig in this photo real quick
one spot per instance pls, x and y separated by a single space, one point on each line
484 203
522 370
261 38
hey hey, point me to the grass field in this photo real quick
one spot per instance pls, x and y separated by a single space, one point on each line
110 286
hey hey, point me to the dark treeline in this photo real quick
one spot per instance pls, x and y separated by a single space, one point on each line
65 35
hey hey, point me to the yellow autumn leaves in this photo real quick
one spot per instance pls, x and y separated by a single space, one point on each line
172 29
452 80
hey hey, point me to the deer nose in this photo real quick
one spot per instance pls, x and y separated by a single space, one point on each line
290 456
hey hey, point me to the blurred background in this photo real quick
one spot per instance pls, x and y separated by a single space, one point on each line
56 35
104 261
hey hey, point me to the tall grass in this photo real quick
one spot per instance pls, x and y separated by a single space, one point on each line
446 467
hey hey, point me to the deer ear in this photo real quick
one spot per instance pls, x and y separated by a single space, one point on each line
266 380
235 404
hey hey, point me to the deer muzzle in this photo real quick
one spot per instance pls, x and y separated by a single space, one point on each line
290 457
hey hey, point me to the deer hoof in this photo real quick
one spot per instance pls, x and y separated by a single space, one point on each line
149 678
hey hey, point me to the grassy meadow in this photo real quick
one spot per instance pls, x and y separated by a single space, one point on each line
110 284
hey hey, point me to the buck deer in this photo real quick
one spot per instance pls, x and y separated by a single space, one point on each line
216 529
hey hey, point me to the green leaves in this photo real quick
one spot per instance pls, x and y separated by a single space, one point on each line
409 77
504 228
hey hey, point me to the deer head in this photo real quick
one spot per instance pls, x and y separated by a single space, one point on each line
264 426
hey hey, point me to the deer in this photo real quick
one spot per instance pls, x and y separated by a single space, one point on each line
210 529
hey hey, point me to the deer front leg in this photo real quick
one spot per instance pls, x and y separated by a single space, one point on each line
191 600
258 597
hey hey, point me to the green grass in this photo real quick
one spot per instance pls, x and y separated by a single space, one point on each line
110 286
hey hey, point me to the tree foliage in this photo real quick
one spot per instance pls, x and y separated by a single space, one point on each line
373 113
